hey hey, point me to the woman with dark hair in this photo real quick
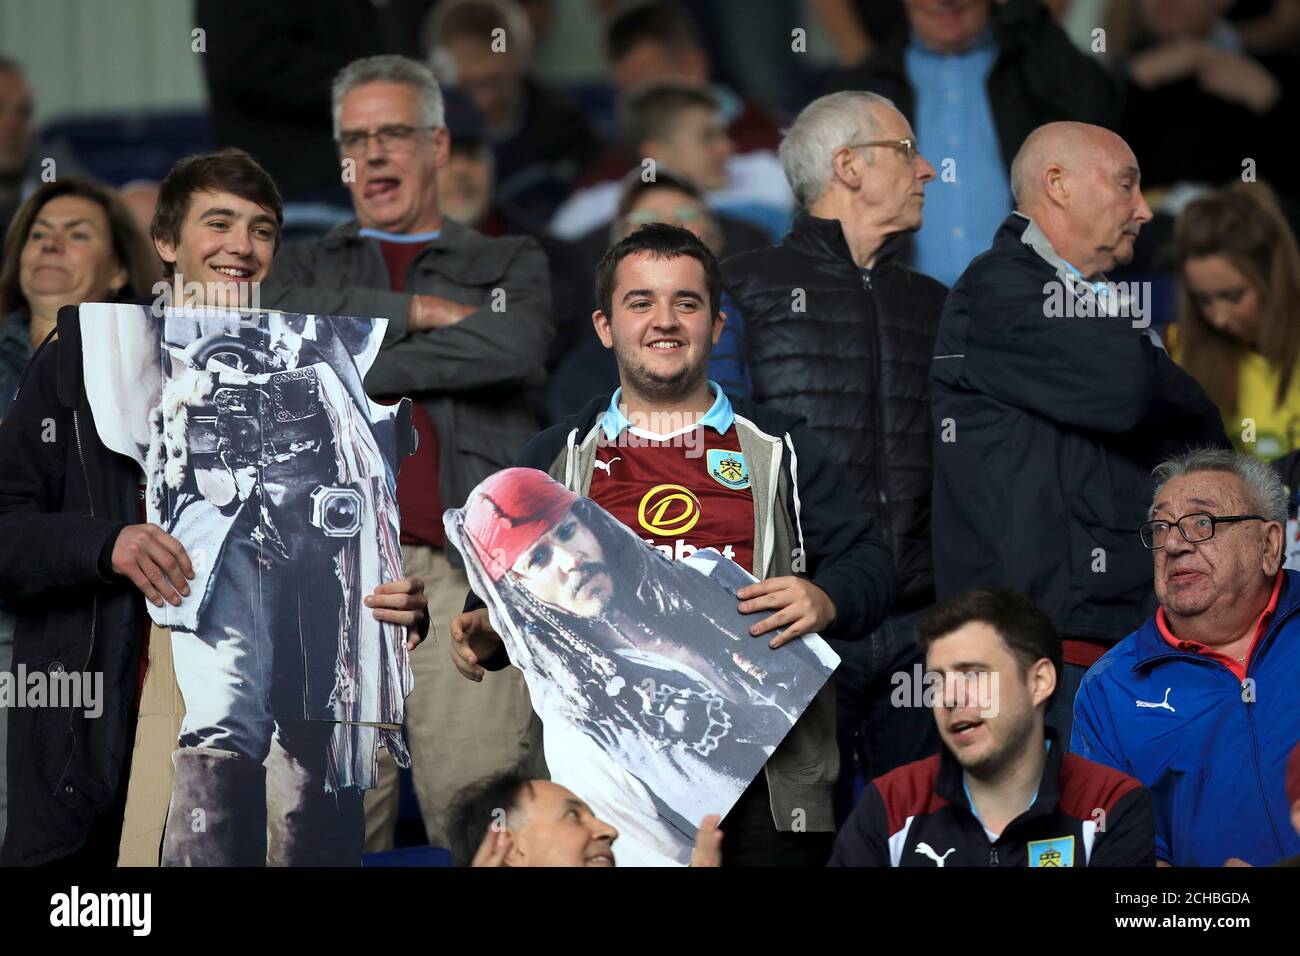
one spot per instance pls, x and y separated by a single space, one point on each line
71 241
1238 332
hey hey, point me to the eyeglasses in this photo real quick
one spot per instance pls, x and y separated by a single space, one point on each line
1194 528
393 139
908 146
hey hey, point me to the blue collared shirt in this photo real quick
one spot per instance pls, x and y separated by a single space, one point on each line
719 417
956 132
1099 288
970 801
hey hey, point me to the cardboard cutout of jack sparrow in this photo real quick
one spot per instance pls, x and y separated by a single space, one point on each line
658 707
264 457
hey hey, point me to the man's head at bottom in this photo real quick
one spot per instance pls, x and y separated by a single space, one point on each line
998 656
545 824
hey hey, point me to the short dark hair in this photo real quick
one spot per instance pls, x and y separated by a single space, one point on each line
474 808
662 241
228 170
651 113
1022 625
666 23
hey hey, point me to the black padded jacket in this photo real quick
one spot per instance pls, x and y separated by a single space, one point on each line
849 351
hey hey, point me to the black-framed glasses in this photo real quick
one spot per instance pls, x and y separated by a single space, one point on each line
395 138
1194 528
908 146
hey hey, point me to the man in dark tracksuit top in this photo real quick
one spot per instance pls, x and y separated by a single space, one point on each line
1053 400
1004 791
761 487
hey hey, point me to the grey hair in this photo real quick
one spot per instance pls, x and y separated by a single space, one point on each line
390 68
826 124
1264 488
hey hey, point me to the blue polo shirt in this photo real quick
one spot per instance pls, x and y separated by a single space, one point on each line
971 195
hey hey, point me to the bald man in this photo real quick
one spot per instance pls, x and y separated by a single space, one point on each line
1053 400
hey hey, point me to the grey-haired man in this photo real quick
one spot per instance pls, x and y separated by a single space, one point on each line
468 332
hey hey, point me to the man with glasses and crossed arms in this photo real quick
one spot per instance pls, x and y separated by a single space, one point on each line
1199 703
469 325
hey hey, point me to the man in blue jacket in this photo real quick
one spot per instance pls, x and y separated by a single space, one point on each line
1199 703
1053 400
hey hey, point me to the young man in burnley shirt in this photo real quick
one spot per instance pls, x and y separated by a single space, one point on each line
684 467
1004 791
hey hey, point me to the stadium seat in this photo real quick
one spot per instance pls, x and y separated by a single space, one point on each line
119 148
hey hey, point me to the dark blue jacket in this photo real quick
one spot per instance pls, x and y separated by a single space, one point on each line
848 350
1046 428
1084 814
1211 749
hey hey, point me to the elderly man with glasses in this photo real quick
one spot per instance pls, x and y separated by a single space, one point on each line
1199 704
840 330
469 325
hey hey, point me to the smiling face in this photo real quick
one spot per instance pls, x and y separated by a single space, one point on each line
226 243
395 188
1227 299
552 827
68 256
1233 568
566 569
984 738
661 329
